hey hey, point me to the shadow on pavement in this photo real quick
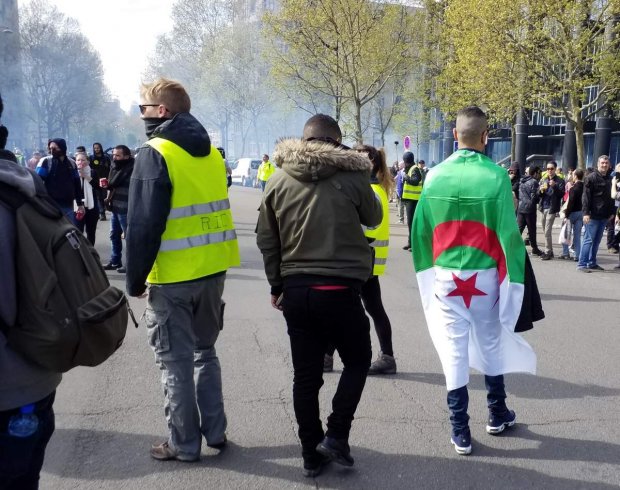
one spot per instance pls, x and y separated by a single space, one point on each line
522 385
96 456
583 299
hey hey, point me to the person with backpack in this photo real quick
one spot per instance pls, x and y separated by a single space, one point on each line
61 178
26 390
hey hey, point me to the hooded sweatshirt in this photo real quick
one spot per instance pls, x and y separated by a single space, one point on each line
21 382
150 194
310 223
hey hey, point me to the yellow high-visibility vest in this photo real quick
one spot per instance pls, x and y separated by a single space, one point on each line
200 238
381 233
265 170
412 192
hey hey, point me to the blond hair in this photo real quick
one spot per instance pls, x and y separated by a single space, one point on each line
169 93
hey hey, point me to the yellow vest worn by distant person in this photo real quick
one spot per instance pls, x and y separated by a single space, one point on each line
200 238
265 170
413 192
381 233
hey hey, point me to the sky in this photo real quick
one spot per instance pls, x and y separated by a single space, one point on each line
125 33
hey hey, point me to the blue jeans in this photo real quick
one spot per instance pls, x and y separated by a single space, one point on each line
69 213
183 322
21 459
591 240
576 221
118 226
458 400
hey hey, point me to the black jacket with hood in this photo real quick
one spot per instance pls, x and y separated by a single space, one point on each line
528 195
150 194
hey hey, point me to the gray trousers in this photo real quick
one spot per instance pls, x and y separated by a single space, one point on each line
547 225
183 323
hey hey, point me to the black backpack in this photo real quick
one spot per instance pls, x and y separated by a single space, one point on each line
68 314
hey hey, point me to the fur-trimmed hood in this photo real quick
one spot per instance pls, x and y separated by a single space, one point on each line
309 161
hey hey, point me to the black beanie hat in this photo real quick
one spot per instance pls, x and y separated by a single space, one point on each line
62 144
408 157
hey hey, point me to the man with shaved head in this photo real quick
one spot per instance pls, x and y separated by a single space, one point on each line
310 232
470 264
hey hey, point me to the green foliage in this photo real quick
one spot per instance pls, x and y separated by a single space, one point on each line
339 54
542 54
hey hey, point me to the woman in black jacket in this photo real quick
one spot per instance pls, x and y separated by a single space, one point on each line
574 214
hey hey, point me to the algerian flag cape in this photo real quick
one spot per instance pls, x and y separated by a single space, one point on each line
469 259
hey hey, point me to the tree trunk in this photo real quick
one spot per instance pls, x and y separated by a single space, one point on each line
359 138
581 150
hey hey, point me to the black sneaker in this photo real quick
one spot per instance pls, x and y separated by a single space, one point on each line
462 442
121 270
595 267
383 365
337 450
538 252
219 445
546 256
111 266
328 363
407 247
312 469
497 423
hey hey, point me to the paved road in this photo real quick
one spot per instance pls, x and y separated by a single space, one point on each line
568 434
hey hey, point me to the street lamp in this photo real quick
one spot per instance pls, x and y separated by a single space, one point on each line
396 149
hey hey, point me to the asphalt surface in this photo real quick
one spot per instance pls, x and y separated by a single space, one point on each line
567 435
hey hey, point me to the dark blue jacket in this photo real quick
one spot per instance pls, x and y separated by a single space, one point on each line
62 180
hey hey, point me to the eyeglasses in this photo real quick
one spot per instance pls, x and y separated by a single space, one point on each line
550 168
144 106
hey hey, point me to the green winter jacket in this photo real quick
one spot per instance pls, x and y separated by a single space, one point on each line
312 214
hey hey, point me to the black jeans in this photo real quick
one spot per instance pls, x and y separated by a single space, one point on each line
458 401
21 459
528 219
410 206
371 297
315 318
89 222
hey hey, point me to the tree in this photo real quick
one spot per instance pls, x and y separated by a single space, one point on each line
215 49
345 50
62 71
541 54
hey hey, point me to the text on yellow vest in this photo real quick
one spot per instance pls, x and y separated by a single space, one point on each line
200 238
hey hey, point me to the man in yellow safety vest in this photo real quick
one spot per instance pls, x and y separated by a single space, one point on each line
413 179
180 241
265 171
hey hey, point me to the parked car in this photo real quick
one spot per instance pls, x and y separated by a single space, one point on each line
245 170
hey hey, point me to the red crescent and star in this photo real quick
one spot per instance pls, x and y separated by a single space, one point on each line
473 234
466 288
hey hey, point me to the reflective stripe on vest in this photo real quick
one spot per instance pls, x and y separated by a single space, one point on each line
412 192
381 233
199 239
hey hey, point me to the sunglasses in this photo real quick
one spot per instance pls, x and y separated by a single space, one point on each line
144 106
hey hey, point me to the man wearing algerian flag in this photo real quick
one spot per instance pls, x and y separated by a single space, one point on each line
470 264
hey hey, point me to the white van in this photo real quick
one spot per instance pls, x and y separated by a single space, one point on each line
245 170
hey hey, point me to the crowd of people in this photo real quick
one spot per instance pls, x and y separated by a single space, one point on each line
587 202
170 205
